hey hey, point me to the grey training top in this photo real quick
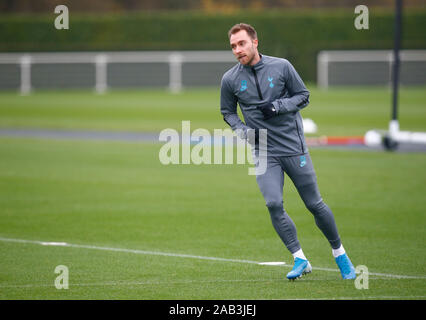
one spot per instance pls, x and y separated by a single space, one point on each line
270 80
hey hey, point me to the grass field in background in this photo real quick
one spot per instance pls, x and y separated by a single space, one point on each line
118 195
336 112
196 229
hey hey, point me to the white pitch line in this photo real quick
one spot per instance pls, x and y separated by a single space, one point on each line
159 283
366 298
135 251
179 255
168 283
138 283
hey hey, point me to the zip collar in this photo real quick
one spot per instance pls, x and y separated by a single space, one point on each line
258 65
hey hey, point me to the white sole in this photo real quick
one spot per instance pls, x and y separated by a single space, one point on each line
307 270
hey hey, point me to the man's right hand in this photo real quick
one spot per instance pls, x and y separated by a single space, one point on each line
252 136
249 134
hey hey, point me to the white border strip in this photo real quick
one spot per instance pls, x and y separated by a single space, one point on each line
179 255
120 57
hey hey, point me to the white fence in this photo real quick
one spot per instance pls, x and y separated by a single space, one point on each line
369 67
178 69
102 70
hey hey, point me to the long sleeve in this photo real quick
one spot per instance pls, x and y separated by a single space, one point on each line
297 96
228 107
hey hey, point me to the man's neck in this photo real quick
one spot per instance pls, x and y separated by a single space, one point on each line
255 60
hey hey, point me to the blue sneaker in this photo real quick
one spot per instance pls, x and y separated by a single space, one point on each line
300 268
346 267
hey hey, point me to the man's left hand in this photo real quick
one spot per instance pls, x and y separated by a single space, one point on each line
268 110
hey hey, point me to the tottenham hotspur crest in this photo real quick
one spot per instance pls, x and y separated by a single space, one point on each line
270 79
243 85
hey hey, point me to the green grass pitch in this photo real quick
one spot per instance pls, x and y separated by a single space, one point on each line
137 229
336 112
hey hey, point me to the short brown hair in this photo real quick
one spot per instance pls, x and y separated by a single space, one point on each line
243 26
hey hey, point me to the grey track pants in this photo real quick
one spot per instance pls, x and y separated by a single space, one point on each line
301 171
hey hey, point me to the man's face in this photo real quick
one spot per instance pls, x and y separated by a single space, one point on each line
243 47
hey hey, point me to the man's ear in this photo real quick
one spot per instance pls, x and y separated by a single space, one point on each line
255 43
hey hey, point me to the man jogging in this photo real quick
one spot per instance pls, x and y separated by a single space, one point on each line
270 94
